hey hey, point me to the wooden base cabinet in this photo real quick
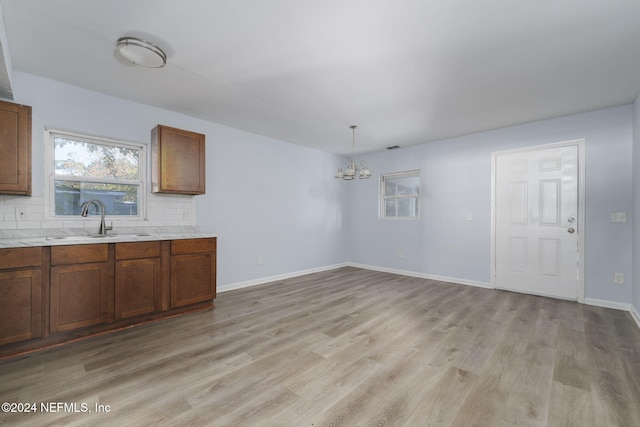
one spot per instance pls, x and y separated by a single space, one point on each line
81 287
51 295
20 305
138 279
21 285
193 271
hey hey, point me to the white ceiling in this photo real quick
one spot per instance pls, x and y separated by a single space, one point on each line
405 71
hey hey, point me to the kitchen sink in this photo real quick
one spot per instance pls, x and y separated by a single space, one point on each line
99 236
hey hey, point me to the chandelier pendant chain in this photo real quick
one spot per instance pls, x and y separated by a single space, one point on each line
353 141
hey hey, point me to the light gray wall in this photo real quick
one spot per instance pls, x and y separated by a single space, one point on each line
279 201
636 209
264 197
274 200
456 180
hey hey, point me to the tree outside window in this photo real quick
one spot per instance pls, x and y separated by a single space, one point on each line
87 168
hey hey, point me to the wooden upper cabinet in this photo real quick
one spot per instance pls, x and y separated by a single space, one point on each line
177 161
15 146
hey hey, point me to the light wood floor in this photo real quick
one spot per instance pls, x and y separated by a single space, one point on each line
348 347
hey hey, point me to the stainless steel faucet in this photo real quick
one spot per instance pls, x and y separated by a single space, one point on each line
85 211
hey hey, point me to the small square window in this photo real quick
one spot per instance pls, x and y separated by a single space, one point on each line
400 194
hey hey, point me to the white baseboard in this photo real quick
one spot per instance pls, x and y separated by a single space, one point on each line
423 275
634 314
607 304
263 280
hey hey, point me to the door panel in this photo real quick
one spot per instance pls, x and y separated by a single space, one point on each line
138 287
550 202
81 295
518 254
536 236
549 257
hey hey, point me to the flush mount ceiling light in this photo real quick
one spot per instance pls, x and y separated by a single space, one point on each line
141 52
352 171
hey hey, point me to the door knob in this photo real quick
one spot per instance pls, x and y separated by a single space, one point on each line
571 230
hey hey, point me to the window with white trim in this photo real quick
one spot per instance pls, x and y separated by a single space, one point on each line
84 168
399 195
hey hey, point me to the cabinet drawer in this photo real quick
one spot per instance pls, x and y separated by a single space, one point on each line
190 246
20 257
133 250
77 254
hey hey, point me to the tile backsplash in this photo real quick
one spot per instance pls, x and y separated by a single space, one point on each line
21 212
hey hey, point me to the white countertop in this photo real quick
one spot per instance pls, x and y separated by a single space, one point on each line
58 237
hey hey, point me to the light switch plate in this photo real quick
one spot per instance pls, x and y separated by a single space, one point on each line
618 217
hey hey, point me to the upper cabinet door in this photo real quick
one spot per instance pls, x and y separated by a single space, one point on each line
15 146
177 161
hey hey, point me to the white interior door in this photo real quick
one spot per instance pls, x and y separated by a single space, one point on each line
536 221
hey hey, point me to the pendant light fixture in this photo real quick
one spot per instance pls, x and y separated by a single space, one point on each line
352 171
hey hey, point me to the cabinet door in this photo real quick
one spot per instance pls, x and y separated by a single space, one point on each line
20 305
192 278
138 287
177 161
81 295
15 146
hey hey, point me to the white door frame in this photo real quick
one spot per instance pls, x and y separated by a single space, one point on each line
580 143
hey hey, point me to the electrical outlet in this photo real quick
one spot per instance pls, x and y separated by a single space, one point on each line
400 254
186 214
22 213
469 216
618 278
259 260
